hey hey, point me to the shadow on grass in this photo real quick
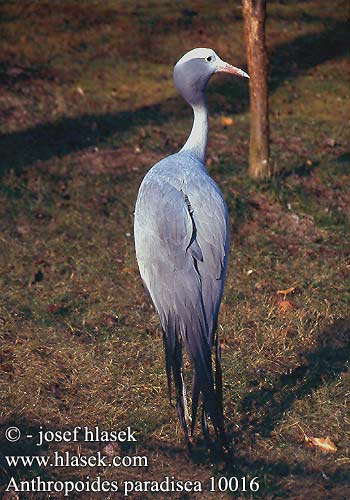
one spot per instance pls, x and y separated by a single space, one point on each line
331 357
67 135
264 408
292 59
302 170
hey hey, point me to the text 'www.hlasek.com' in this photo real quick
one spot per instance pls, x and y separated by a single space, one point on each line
48 464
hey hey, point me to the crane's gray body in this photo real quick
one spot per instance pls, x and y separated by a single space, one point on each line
182 239
182 243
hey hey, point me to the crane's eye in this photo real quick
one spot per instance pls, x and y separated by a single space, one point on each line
209 58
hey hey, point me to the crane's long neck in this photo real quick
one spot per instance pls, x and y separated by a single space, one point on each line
197 140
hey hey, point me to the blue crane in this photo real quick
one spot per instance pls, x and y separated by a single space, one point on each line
181 234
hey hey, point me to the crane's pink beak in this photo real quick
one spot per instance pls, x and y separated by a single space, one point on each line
227 68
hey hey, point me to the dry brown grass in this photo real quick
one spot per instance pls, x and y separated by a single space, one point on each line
85 114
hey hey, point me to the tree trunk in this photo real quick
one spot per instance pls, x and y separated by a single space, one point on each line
254 14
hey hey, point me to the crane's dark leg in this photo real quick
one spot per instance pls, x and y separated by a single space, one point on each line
180 390
168 363
174 364
218 388
218 373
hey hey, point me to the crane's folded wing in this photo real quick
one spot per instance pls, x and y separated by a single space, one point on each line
210 217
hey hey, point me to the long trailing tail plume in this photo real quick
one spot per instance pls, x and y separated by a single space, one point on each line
194 334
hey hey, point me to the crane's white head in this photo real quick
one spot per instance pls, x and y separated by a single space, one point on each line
193 71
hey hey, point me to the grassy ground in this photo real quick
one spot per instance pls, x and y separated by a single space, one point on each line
87 106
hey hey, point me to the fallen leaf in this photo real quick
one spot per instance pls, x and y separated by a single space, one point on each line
226 121
110 320
325 444
7 367
127 270
287 291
